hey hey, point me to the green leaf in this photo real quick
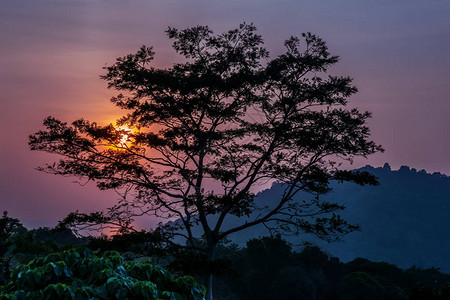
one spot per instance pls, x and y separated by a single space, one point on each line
108 282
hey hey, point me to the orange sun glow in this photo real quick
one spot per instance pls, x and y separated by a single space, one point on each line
125 139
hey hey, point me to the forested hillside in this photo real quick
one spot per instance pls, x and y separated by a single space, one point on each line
404 220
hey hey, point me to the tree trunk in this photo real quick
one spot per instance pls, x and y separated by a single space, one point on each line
209 287
209 277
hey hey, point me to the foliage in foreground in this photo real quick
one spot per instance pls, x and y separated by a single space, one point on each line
80 274
267 268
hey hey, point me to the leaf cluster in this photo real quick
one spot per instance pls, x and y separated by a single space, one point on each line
80 274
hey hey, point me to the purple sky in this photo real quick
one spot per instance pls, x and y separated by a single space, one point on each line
52 52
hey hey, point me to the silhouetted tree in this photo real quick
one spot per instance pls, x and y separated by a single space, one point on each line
28 244
8 227
264 258
423 292
210 129
362 285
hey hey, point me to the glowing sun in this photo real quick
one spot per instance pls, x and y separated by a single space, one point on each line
124 136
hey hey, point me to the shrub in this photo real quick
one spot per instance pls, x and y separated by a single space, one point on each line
80 274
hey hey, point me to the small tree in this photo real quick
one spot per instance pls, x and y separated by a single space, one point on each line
8 228
209 129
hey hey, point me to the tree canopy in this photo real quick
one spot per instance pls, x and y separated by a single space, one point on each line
207 131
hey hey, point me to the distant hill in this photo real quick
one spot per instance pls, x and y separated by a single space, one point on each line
404 221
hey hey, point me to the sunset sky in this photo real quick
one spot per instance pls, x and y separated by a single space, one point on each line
52 53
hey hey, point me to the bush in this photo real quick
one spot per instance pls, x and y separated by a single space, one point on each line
80 274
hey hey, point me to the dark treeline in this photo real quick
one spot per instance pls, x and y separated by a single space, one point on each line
18 245
269 268
266 268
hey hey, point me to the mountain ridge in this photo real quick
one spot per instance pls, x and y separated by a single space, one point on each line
403 220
